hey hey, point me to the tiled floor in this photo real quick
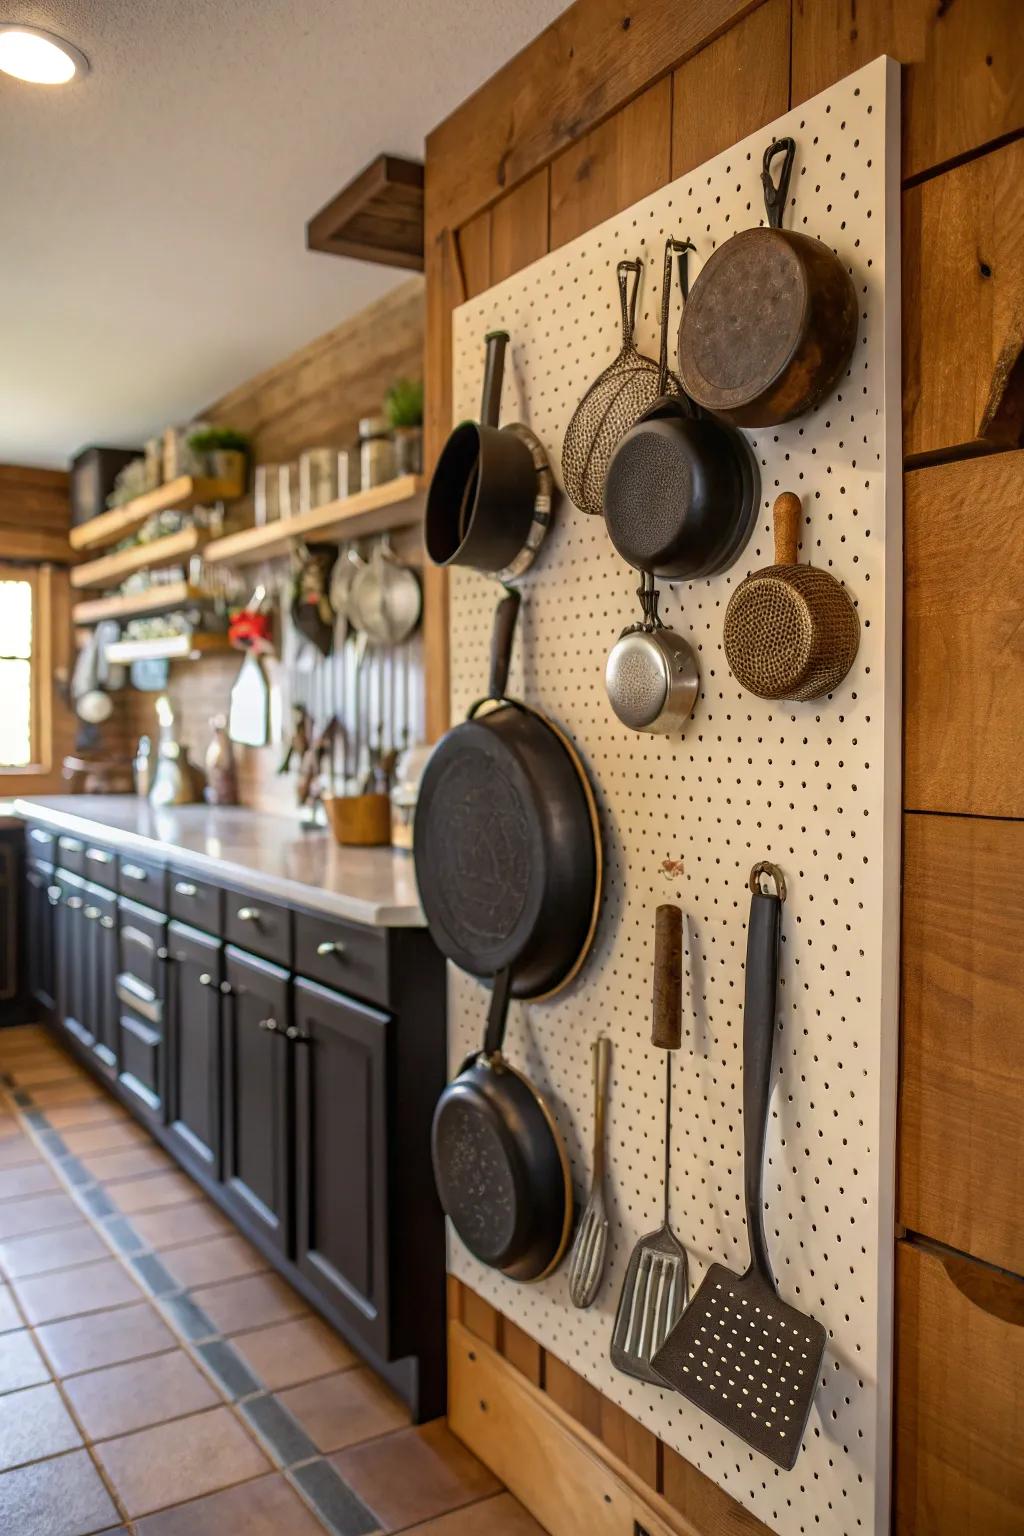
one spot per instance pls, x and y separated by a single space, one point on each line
157 1378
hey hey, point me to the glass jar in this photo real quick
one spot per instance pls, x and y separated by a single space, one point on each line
318 477
376 452
266 494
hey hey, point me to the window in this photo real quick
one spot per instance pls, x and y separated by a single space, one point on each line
20 667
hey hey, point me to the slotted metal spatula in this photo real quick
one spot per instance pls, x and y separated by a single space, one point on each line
657 1282
739 1353
590 1248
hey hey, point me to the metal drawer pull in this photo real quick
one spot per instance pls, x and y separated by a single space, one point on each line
296 1034
70 844
184 888
270 1025
106 922
53 895
133 872
330 947
74 902
226 989
206 980
92 913
40 837
99 855
248 914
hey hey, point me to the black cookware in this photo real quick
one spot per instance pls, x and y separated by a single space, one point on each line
682 489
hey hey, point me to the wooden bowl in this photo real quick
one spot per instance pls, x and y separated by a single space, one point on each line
360 821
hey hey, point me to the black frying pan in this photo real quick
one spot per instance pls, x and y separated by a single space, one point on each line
682 490
508 861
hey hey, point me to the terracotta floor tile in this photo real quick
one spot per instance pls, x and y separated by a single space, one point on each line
34 1423
217 1258
338 1411
44 1251
247 1303
500 1516
29 1179
17 1149
415 1475
38 1213
68 1292
289 1353
61 1497
60 1095
140 1393
10 1317
265 1507
127 1163
180 1224
104 1338
155 1468
154 1192
109 1137
102 1112
21 1364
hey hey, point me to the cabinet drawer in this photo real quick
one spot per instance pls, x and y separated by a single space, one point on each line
99 865
71 853
345 956
959 1396
196 902
40 845
142 953
143 880
259 926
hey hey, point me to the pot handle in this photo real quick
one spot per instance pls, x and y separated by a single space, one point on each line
786 522
497 1014
628 303
501 642
776 193
494 372
667 1032
679 248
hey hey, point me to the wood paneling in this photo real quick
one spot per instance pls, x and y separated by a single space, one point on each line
708 1508
963 306
964 636
522 1352
745 73
632 1443
519 227
34 514
962 1089
959 1398
474 244
480 1317
588 63
573 1395
963 85
624 159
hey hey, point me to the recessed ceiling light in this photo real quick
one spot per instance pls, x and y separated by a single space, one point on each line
29 53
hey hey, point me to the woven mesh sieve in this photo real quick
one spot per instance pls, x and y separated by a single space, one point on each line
791 632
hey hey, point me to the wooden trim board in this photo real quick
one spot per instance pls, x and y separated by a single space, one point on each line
110 569
396 504
186 491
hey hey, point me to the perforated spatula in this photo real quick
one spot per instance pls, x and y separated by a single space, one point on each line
739 1353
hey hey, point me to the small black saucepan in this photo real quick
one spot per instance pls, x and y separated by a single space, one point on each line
681 495
508 861
480 505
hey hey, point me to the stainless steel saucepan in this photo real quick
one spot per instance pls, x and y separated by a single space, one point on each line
652 677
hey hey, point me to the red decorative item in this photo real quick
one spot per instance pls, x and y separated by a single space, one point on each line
250 631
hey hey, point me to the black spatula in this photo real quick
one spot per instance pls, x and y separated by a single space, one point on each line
738 1353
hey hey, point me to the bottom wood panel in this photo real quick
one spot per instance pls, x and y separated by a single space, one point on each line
959 1397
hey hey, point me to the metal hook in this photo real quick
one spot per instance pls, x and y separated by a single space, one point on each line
775 193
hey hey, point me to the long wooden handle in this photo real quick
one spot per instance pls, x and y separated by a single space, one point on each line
786 519
667 1032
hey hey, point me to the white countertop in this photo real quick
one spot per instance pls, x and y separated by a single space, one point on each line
267 854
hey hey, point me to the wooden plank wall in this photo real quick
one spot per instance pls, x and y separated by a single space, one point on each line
604 107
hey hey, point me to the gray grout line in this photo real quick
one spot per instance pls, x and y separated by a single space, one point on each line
321 1486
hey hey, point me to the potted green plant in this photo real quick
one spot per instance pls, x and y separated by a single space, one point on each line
403 406
225 453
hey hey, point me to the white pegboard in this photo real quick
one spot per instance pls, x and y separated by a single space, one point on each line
814 787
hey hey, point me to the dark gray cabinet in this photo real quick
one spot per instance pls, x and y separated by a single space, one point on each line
193 1043
256 1096
342 1176
41 897
99 936
71 951
140 991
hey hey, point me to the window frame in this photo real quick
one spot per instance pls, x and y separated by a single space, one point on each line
40 579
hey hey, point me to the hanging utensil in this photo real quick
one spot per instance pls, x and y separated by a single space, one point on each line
657 1278
249 711
682 489
615 401
740 1353
385 600
590 1248
652 677
772 320
791 631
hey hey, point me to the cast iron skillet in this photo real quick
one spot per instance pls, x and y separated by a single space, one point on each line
681 494
508 861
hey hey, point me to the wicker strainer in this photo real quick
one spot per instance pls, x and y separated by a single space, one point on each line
614 402
791 631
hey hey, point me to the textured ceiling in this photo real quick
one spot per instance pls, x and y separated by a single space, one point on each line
152 217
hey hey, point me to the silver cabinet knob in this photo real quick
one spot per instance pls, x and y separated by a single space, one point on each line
270 1025
248 914
74 902
185 888
133 872
225 989
92 913
163 953
330 947
70 844
205 979
53 895
99 856
106 922
292 1033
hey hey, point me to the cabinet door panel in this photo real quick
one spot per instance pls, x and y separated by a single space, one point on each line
41 898
72 960
194 1046
257 1159
100 936
341 1144
140 988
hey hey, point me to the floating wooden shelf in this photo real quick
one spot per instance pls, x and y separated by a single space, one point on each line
397 504
110 569
167 648
186 491
129 605
377 217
